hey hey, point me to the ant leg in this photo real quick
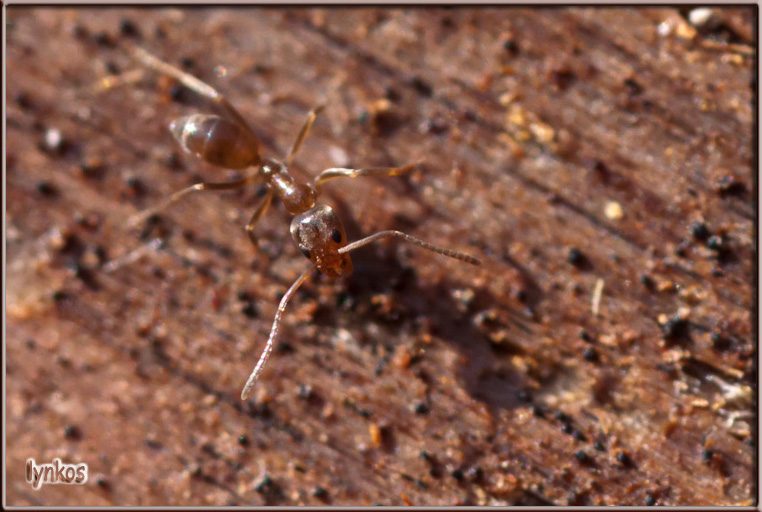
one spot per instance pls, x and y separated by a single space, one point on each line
111 81
273 333
261 209
132 256
399 234
140 217
192 83
303 133
333 173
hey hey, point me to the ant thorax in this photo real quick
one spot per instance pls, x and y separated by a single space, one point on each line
296 197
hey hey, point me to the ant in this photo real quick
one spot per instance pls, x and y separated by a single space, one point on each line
230 143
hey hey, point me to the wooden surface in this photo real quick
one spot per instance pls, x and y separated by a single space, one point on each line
568 148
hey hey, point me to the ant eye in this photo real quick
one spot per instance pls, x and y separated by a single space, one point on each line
307 253
336 235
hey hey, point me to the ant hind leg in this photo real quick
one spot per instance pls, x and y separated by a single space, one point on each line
191 82
198 187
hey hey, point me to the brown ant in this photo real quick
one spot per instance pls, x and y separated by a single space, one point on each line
230 143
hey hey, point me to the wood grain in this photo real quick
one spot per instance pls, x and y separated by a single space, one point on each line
568 148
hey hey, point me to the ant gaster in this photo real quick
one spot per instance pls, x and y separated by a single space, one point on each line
230 143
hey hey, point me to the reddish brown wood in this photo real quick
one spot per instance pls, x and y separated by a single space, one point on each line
566 147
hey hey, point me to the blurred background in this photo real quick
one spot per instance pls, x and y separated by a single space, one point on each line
600 162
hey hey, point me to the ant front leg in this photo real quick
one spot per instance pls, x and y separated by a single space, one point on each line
337 172
198 187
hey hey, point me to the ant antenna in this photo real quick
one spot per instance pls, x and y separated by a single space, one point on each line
347 248
409 238
273 333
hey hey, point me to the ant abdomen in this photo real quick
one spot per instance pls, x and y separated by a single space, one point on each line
217 141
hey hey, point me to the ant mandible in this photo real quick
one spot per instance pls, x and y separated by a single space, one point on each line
230 143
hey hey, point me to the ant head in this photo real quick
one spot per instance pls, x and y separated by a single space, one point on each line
320 234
